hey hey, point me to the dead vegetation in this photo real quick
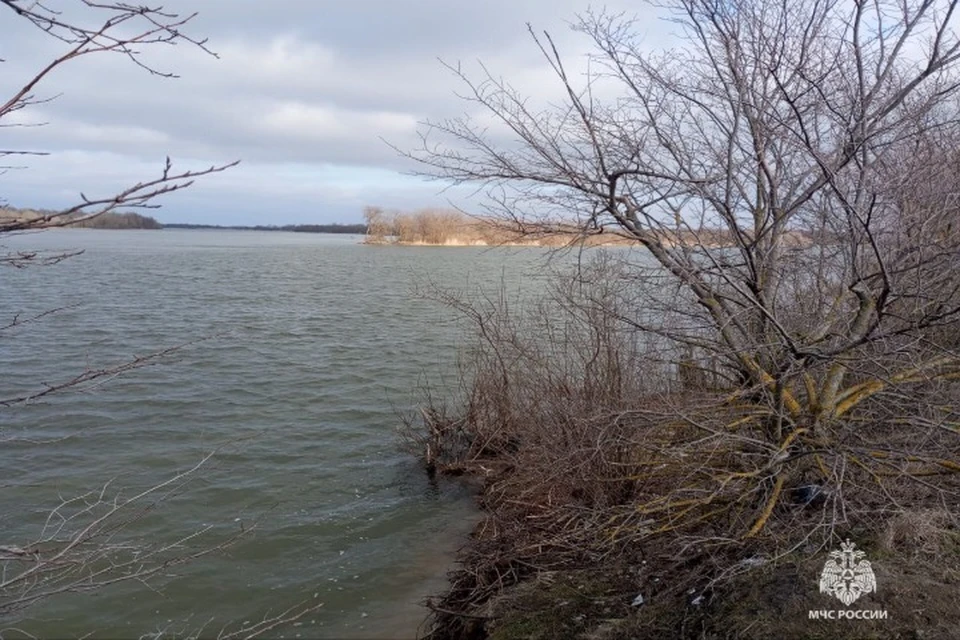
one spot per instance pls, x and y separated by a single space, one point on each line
698 404
431 227
601 446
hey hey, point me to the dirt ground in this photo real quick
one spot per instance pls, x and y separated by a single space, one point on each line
918 586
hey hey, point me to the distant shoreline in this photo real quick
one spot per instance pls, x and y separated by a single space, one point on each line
25 219
204 228
350 229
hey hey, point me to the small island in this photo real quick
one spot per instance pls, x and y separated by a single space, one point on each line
453 228
445 228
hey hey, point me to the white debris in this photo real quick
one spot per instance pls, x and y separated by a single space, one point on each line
638 600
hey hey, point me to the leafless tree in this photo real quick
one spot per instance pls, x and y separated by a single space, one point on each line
790 169
96 28
378 227
84 544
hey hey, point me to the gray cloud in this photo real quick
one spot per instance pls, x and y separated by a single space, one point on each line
303 92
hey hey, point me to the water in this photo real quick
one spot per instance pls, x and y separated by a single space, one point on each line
299 352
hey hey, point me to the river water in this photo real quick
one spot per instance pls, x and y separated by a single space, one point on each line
300 352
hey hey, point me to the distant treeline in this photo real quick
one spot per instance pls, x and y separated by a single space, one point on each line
114 220
110 220
118 221
299 228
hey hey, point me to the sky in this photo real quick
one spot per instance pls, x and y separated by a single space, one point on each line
307 94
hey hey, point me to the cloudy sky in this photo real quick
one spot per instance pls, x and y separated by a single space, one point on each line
303 93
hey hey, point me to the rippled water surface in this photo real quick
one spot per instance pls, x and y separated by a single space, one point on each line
300 350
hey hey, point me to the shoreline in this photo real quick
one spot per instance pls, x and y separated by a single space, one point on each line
645 593
428 570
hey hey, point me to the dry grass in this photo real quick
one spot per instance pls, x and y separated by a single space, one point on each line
925 531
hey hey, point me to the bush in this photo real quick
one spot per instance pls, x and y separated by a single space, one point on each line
597 441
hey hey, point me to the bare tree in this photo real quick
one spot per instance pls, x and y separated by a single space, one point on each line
790 169
80 547
87 29
378 226
85 542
